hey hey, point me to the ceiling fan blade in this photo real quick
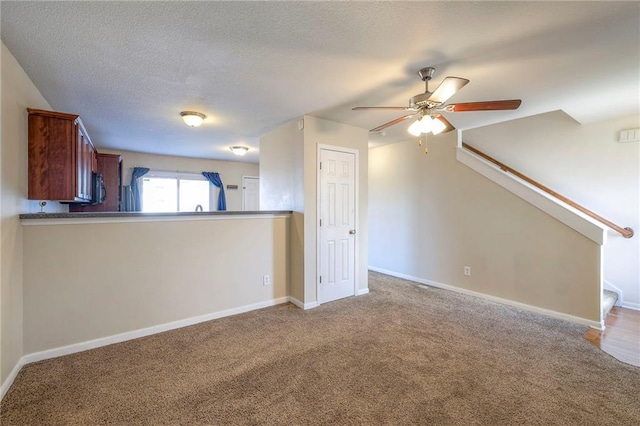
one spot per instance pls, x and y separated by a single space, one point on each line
392 122
383 108
484 106
447 88
445 122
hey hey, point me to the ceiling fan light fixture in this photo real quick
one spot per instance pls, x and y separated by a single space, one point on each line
415 128
437 126
239 150
423 125
192 118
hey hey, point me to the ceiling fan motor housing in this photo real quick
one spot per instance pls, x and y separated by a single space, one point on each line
422 101
426 73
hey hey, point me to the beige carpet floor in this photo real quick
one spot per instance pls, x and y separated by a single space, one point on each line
403 354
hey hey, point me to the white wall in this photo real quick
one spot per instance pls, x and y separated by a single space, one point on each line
282 188
288 172
318 131
281 169
231 172
18 93
93 280
430 216
586 164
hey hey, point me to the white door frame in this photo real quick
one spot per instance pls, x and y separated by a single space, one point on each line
356 172
246 176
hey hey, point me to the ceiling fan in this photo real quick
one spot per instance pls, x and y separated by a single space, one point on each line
429 106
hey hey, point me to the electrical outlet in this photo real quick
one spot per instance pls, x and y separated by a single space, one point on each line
266 280
467 271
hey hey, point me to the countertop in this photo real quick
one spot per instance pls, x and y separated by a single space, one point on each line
181 215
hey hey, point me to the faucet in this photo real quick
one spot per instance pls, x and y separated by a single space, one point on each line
199 208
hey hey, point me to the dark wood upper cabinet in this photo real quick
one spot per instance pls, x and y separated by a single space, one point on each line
110 167
61 158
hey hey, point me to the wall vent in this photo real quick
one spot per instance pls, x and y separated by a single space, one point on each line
629 135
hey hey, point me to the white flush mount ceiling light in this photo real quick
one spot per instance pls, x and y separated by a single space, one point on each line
192 118
239 150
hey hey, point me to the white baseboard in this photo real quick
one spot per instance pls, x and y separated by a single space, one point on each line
598 325
104 341
296 302
312 305
12 376
362 291
302 305
631 305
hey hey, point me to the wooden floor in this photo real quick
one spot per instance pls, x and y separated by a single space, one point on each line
621 337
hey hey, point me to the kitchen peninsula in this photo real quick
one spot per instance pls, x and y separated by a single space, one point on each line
92 279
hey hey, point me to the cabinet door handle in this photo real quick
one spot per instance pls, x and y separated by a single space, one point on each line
352 232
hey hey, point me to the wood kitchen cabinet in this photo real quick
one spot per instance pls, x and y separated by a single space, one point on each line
110 166
62 158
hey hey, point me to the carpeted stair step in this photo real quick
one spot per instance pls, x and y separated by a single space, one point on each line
609 298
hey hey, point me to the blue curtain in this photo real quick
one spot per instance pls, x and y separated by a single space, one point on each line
214 178
138 172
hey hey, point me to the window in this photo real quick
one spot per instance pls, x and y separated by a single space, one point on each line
176 192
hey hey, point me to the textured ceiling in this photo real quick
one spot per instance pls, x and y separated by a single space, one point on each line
129 68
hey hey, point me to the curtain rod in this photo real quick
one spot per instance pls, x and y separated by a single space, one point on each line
171 171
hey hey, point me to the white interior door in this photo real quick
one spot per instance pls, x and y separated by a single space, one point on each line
337 200
250 193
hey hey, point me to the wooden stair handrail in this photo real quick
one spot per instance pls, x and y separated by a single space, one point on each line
625 232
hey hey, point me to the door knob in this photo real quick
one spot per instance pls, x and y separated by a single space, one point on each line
352 232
